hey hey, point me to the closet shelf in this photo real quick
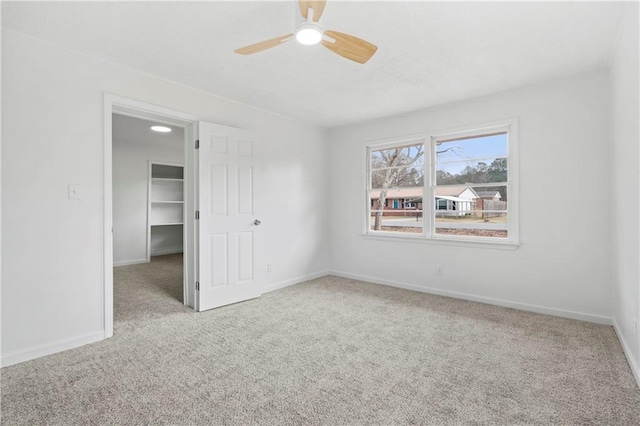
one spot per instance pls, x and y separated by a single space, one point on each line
158 179
166 199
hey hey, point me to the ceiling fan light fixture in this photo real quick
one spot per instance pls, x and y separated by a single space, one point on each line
308 33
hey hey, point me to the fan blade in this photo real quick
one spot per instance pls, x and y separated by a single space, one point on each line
264 45
349 46
316 5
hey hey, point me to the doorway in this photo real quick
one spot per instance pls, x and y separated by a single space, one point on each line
148 217
148 206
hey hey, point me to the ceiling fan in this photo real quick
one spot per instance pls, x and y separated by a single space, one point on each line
309 31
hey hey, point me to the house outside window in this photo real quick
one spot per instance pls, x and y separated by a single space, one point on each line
454 186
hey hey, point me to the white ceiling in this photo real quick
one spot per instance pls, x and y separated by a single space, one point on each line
430 53
128 129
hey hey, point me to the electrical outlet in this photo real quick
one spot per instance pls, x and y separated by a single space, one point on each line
440 270
269 267
635 325
74 192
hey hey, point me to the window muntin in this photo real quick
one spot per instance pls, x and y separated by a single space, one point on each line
459 188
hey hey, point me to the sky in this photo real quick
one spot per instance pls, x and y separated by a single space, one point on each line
466 152
455 160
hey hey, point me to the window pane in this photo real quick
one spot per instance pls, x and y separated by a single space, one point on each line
476 211
472 160
487 146
407 221
398 177
492 193
396 210
442 229
402 156
473 171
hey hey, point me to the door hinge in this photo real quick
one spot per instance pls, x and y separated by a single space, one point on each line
197 286
197 214
197 143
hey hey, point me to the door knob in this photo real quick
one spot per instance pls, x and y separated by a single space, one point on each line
256 222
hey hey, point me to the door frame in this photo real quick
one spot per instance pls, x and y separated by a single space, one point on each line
137 109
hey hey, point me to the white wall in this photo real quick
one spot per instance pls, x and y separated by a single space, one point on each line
132 151
52 107
563 265
625 186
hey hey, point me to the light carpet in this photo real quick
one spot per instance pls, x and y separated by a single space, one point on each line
328 351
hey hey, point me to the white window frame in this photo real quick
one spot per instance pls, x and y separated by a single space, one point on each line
384 145
510 126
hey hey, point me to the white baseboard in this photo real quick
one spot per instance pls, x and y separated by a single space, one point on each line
167 251
598 319
633 363
129 262
293 281
50 348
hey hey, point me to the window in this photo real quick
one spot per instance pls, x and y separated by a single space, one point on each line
454 186
395 173
443 204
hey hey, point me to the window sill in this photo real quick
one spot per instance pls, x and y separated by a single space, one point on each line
497 245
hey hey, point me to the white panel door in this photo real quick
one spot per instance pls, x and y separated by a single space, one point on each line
228 229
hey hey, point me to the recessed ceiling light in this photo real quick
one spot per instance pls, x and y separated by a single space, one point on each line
161 129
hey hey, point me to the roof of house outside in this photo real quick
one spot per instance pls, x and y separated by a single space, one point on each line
448 197
399 193
488 194
452 191
441 191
